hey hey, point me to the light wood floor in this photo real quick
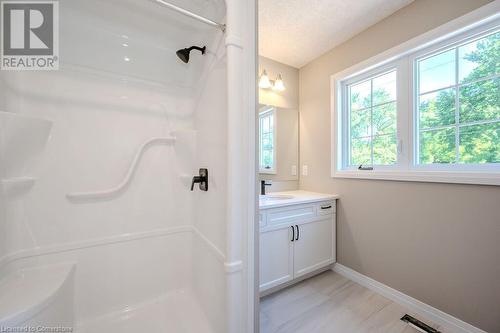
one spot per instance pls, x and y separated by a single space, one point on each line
331 303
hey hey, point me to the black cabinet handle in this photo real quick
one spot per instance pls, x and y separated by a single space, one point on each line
297 232
293 233
326 207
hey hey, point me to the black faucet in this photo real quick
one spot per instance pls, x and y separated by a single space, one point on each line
202 179
263 185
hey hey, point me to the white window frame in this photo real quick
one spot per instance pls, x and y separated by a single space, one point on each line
263 112
402 57
452 43
400 67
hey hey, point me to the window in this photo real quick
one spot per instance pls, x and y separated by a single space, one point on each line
267 141
372 121
458 104
428 110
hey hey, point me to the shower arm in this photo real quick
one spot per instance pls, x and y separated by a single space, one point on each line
187 13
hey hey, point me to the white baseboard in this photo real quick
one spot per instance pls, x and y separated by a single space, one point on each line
438 317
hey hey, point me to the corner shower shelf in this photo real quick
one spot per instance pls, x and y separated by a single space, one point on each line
103 194
17 185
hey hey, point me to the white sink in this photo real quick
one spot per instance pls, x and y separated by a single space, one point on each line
275 197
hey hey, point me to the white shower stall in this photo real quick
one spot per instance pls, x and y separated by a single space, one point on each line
99 228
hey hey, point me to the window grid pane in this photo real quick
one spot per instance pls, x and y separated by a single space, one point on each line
438 146
480 143
437 71
437 108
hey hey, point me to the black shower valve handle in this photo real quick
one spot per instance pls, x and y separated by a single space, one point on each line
202 179
196 179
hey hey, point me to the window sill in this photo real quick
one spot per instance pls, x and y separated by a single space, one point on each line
268 172
466 177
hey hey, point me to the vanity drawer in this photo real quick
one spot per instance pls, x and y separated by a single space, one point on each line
285 215
326 208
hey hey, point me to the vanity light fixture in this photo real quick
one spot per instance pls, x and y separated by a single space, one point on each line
278 84
266 83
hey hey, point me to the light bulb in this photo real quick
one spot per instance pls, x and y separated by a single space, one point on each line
278 84
264 81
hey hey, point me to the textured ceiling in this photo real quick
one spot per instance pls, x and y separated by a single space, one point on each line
295 32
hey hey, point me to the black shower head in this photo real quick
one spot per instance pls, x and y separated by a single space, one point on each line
183 54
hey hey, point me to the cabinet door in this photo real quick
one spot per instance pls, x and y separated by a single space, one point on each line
276 257
315 247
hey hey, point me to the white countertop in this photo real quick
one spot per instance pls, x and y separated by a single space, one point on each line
292 198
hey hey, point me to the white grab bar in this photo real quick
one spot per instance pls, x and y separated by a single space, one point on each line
133 166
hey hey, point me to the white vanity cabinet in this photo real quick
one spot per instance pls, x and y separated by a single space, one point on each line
295 239
314 248
276 257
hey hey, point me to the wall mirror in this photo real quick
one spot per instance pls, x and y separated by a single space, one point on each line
278 143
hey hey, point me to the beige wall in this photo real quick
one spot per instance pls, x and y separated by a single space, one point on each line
287 103
439 243
283 99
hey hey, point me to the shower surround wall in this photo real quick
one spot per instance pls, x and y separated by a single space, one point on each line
119 84
211 124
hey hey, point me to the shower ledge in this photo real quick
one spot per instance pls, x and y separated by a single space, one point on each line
30 293
17 185
22 141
